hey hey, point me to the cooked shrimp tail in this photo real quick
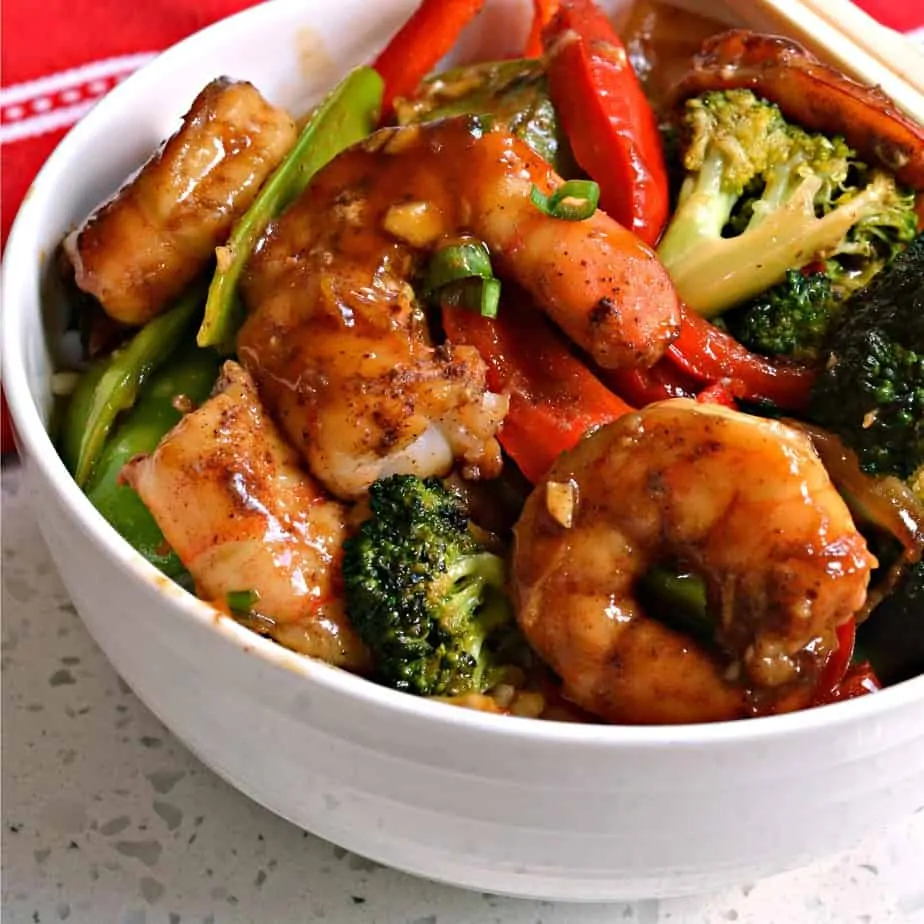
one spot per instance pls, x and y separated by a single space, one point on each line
744 502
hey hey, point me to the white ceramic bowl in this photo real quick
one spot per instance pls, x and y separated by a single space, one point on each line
505 805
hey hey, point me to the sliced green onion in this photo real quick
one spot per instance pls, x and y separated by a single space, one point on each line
572 201
481 295
242 602
460 276
490 297
458 261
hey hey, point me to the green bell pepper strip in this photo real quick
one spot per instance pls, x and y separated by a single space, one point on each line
681 598
348 114
140 430
122 378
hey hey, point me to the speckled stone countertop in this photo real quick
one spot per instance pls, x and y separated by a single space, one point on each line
107 819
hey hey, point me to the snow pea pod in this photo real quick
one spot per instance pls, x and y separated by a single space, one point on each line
73 419
348 114
90 417
188 379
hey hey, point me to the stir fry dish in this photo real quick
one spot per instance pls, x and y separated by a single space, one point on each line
585 385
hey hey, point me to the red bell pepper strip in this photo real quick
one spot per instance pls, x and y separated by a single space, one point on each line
710 355
859 680
554 397
839 661
543 11
610 126
641 387
717 393
841 679
419 44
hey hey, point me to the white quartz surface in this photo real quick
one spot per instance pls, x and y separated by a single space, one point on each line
107 819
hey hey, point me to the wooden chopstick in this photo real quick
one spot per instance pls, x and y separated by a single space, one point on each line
838 32
891 50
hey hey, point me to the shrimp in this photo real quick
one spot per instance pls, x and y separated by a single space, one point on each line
743 501
336 339
231 500
812 94
142 249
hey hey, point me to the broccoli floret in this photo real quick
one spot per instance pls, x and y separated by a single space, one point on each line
789 319
763 196
873 242
424 594
871 392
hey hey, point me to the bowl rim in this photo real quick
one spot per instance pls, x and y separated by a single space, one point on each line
20 276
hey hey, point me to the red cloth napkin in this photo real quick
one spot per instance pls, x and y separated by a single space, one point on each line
54 68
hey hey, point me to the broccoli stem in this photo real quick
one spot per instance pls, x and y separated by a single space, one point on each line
706 210
717 274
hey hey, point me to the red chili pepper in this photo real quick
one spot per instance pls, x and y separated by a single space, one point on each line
543 11
554 397
7 444
610 126
419 44
710 355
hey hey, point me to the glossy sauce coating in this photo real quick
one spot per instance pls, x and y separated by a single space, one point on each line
232 501
744 502
335 338
142 248
661 40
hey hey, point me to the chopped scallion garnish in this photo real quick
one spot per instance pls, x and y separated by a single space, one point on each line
481 295
572 201
460 275
458 261
490 297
